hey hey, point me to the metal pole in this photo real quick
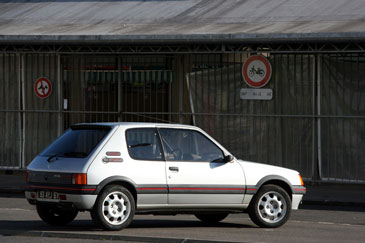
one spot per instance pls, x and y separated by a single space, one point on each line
190 97
119 87
19 77
22 65
60 98
314 116
319 79
181 80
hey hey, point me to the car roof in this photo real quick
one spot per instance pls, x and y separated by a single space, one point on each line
136 124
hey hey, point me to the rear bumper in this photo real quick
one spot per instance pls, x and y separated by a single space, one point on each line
75 201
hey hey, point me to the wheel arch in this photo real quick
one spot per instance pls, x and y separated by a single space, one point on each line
278 181
118 180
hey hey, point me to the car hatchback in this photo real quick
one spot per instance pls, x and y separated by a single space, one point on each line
117 170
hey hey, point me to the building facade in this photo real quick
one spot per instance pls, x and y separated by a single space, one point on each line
314 121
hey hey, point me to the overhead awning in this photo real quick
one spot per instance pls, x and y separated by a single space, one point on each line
80 21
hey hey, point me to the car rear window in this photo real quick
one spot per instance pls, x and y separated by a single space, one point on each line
77 142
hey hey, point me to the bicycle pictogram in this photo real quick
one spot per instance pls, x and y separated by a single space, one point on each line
253 71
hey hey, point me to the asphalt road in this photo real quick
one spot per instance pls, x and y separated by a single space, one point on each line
19 223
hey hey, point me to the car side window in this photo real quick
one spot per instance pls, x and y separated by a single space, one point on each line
143 144
189 145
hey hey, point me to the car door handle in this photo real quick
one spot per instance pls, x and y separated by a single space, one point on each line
173 168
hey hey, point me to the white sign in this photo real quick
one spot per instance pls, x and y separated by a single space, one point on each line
256 71
256 94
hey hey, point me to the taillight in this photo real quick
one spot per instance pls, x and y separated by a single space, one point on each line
26 176
79 179
301 180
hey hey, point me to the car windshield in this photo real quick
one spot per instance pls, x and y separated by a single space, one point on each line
76 143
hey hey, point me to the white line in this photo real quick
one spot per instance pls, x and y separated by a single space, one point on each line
16 209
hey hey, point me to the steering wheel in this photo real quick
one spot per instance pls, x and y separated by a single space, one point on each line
177 154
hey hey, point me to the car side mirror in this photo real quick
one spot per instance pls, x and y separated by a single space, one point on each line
228 158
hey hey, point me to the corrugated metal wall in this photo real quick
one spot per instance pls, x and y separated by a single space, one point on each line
314 123
40 118
10 122
277 131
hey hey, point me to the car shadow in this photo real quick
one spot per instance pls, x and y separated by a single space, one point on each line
165 223
86 226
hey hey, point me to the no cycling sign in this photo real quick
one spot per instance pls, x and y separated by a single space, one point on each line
256 71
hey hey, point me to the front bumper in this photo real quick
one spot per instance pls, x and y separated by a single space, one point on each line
296 200
298 193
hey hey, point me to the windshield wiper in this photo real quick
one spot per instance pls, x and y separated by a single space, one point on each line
140 145
51 157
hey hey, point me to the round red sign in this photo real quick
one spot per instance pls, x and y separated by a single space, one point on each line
43 87
256 71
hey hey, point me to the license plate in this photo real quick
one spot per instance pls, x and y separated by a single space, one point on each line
48 195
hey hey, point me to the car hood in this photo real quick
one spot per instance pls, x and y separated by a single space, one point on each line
254 172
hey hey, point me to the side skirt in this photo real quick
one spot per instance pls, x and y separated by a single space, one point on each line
166 209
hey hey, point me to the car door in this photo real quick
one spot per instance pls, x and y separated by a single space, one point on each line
148 168
196 170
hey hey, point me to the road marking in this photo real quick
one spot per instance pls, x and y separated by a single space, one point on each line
325 223
16 209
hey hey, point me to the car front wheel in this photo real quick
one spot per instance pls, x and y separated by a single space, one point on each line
55 216
270 207
114 208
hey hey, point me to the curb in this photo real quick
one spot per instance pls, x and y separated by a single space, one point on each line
104 237
333 203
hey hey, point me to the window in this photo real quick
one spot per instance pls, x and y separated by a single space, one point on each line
76 143
143 144
189 145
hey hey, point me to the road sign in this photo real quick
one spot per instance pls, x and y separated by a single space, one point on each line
256 71
43 87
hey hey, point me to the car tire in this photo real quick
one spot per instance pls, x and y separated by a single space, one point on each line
211 218
114 208
55 216
270 207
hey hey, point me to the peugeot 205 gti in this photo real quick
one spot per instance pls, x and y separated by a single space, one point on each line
117 170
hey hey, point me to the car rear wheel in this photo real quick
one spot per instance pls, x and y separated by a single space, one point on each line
270 207
55 216
211 217
114 208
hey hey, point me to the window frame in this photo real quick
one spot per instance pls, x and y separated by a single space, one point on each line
192 130
158 143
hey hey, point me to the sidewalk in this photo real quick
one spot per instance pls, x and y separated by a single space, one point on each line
332 194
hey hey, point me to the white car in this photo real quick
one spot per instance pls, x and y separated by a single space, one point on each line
116 170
